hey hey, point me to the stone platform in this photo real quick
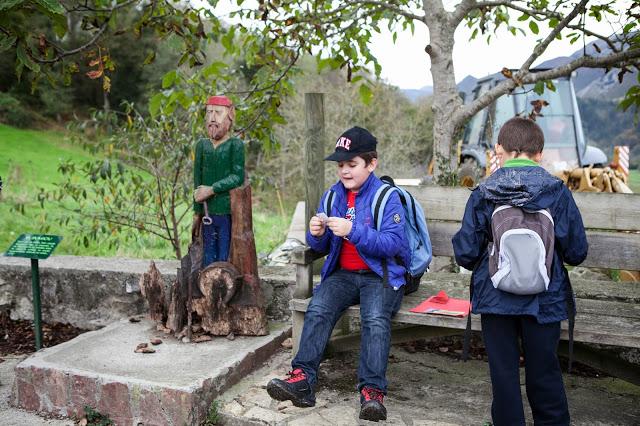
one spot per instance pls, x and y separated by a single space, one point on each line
173 386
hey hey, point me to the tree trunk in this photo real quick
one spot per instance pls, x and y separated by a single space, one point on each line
446 99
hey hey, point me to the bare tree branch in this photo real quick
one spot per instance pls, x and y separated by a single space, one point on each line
86 8
467 6
64 53
507 86
541 47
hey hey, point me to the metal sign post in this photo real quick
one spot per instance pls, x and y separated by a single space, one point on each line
35 247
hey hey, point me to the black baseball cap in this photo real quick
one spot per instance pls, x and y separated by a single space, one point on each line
354 141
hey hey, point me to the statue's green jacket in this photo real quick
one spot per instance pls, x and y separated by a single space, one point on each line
222 168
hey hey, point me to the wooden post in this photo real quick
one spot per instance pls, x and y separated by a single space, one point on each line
313 153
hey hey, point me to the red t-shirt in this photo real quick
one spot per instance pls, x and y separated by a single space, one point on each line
349 257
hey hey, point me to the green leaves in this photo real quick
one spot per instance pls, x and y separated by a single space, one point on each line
533 26
169 78
155 103
6 42
24 59
365 93
8 4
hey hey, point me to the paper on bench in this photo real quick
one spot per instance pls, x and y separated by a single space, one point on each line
442 304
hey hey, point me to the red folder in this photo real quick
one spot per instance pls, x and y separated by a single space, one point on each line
442 304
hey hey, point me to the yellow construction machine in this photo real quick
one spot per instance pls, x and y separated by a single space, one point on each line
566 153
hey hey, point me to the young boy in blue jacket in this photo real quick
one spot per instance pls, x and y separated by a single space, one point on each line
508 318
352 274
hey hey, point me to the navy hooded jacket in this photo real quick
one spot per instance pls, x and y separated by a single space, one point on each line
372 244
522 184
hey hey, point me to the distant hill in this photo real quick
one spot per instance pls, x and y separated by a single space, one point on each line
415 95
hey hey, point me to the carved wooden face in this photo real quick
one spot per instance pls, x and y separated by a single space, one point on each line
218 121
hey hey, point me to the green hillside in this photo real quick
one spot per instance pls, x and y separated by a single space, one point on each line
29 161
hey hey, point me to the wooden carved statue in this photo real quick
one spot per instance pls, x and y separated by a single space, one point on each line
217 289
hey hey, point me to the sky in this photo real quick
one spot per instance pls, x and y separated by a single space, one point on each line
405 64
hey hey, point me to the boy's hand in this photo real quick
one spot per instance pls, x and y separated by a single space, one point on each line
316 226
339 226
202 193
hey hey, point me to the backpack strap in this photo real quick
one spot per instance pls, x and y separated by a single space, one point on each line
467 332
327 202
571 308
380 199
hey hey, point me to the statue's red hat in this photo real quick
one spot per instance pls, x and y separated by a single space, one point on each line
219 100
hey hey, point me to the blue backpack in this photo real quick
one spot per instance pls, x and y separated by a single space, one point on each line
415 227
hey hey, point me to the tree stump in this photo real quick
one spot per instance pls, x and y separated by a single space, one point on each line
152 289
226 296
232 299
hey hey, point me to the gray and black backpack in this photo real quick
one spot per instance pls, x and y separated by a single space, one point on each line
521 253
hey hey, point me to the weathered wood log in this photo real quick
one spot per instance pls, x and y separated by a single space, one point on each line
226 295
227 305
232 299
177 312
152 288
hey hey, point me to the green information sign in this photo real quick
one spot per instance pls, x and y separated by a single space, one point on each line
33 246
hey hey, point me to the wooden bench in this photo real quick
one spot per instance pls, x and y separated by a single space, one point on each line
608 311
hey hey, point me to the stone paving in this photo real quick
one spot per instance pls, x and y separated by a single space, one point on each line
424 389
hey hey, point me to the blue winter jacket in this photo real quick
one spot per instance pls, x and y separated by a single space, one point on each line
372 244
530 187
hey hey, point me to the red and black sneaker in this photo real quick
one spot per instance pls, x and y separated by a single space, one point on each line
296 388
371 407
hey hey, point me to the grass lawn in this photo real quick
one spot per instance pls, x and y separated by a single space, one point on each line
29 161
634 180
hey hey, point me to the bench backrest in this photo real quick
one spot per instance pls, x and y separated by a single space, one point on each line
612 222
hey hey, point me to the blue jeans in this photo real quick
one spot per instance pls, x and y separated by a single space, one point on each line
378 303
545 389
216 239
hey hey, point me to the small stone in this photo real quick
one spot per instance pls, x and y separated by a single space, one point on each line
156 341
145 350
287 343
231 336
202 338
185 339
131 319
284 405
443 349
141 345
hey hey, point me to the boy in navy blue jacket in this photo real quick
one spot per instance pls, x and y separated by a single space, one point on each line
535 318
352 274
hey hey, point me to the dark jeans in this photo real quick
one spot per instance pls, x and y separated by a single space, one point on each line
216 239
378 303
545 389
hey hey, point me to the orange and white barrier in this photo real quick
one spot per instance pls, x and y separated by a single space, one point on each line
492 162
621 159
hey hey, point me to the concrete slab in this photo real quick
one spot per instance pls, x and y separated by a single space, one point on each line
175 385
